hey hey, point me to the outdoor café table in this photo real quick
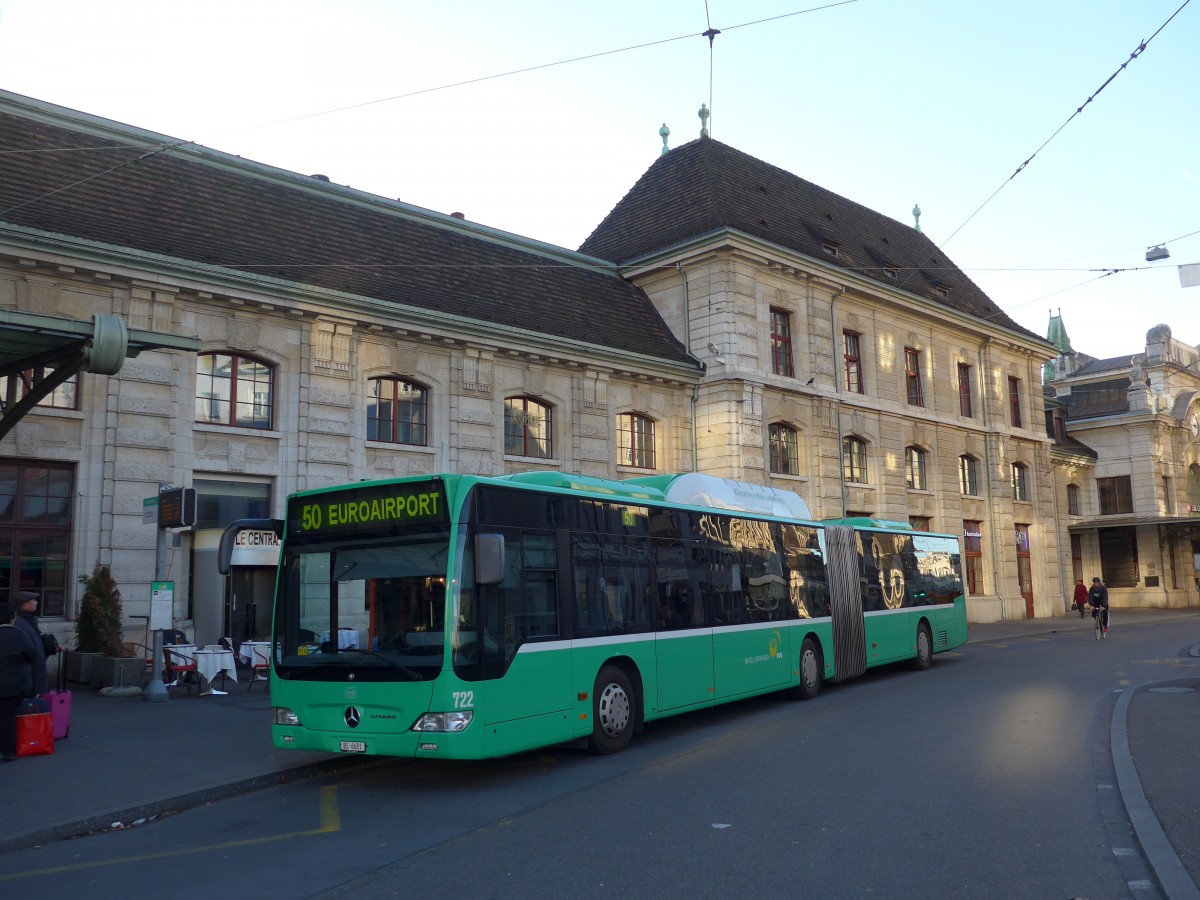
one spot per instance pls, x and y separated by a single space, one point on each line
211 662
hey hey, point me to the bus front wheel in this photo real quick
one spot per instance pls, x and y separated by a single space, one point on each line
811 672
924 656
614 712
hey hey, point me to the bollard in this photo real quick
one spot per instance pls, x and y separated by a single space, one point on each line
156 691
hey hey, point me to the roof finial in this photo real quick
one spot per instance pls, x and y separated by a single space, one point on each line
664 133
917 216
703 114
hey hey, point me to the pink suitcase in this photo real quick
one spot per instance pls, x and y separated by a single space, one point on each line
60 712
60 703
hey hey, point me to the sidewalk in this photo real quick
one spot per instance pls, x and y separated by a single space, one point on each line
127 759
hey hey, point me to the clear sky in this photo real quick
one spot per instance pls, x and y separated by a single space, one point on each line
886 102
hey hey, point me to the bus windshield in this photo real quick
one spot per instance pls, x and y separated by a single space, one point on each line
379 608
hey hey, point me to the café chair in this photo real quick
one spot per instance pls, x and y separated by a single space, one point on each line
261 663
178 667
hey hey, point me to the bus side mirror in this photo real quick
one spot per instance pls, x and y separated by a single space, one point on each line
489 558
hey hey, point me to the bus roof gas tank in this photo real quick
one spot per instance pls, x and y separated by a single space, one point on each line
695 489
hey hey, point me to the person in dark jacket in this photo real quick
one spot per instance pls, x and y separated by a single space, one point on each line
1098 600
27 620
17 656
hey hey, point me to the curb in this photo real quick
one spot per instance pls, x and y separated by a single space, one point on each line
1174 879
125 818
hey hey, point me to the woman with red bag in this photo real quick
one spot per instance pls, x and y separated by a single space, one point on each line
17 658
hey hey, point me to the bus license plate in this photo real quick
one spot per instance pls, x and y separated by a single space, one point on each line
354 747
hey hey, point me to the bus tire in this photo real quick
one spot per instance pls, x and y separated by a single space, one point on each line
812 672
614 712
924 657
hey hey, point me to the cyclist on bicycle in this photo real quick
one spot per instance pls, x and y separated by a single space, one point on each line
1098 601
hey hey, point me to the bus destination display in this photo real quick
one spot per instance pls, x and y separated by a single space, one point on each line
384 506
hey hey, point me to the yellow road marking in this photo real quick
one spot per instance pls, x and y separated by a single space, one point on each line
331 821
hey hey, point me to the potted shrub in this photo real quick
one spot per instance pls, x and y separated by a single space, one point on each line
98 634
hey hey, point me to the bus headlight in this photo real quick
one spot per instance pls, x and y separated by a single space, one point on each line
449 722
284 716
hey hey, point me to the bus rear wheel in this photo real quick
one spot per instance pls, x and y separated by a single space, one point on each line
614 712
924 656
812 674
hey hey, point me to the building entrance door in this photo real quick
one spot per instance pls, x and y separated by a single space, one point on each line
248 599
1024 569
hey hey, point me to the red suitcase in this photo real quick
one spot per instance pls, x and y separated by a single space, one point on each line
60 703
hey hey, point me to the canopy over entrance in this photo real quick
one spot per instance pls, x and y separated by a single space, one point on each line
64 347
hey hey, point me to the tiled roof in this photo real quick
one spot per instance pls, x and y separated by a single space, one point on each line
1112 364
1104 398
214 209
705 187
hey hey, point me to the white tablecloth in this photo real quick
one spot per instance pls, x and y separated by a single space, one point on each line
347 638
214 661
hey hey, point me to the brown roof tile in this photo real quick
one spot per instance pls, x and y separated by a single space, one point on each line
704 187
210 208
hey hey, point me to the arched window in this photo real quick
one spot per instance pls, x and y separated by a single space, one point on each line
528 428
65 396
854 459
1073 500
234 390
397 412
914 467
784 450
635 441
968 475
1193 488
1020 481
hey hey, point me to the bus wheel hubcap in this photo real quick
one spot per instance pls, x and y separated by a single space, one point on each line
808 667
614 710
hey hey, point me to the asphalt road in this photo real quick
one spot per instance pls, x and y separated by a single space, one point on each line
986 776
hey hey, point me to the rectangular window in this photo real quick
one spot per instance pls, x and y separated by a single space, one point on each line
35 533
973 556
781 343
854 460
1020 482
853 359
1077 557
964 391
1014 401
912 376
918 523
1116 495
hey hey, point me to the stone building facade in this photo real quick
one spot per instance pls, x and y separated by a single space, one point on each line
1128 475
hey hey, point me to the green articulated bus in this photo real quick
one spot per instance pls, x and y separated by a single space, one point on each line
463 617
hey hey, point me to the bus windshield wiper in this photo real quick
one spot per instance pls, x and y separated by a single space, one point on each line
410 674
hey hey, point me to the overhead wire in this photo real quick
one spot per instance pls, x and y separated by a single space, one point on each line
1141 47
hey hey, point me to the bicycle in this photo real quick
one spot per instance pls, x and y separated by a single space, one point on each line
1098 616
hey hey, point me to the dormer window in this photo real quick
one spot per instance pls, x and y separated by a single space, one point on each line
830 248
944 291
891 273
